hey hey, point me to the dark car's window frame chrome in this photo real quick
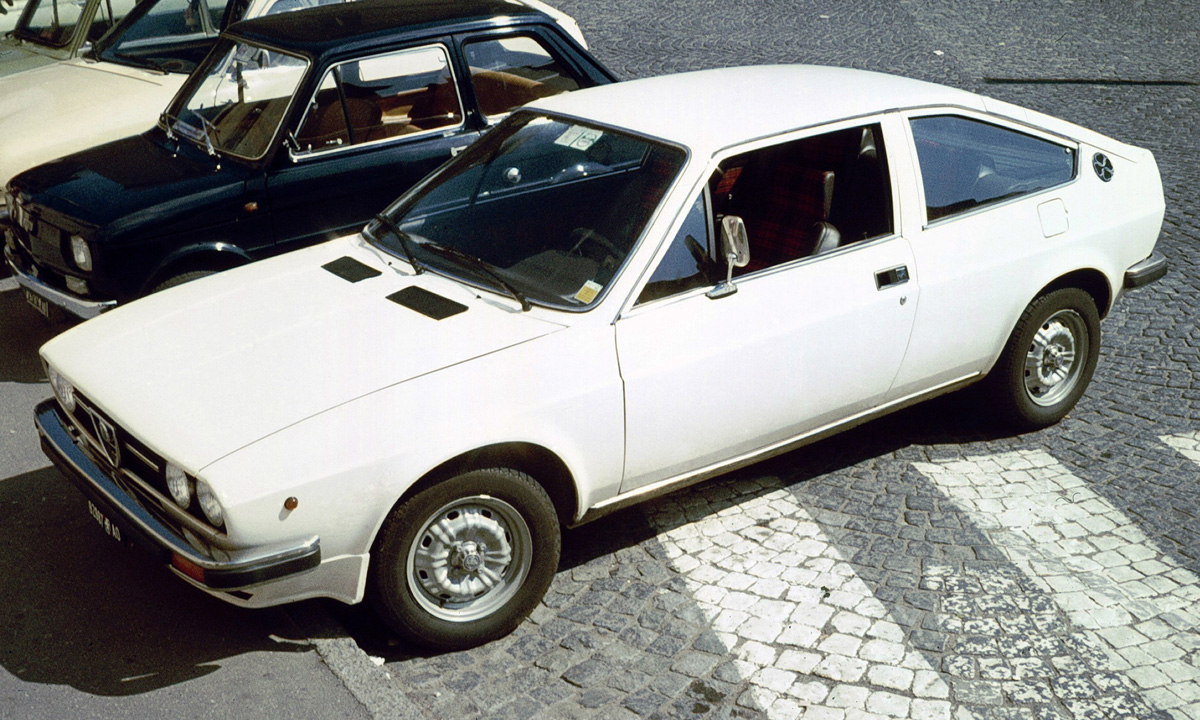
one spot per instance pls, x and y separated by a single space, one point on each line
306 155
168 117
576 74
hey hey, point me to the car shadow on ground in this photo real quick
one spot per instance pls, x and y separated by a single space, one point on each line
83 611
23 331
953 419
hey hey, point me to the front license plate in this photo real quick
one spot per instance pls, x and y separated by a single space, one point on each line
38 302
109 527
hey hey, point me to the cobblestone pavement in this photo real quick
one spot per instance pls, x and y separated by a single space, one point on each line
924 566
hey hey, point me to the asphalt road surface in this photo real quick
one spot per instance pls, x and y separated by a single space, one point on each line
923 566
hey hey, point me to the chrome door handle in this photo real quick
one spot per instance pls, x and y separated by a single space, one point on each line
892 276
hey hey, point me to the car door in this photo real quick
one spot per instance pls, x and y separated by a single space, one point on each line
992 212
814 333
372 129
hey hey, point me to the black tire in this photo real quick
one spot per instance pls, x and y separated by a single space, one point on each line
182 278
481 516
1048 361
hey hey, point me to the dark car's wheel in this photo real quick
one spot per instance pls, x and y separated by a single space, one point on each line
466 560
182 278
1049 359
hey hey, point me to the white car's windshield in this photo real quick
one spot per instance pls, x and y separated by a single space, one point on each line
10 13
51 22
240 100
166 35
551 207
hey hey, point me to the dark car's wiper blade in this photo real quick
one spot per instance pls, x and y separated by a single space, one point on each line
478 264
405 239
166 119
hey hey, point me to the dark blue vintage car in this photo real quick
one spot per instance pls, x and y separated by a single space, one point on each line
295 128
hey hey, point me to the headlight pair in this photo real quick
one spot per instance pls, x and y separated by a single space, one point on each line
182 488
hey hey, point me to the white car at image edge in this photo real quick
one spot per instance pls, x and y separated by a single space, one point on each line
613 294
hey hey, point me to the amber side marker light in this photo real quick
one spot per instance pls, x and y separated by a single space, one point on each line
291 504
187 567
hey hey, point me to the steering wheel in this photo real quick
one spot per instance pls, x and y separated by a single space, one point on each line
586 234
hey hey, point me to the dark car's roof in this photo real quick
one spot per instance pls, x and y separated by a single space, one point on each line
318 30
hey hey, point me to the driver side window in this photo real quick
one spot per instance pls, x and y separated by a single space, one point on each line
688 262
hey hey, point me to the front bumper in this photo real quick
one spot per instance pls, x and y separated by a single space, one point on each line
73 304
1147 271
242 569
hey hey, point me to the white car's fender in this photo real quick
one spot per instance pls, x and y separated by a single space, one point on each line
348 466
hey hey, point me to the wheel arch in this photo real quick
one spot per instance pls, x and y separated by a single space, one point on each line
1089 280
214 256
544 466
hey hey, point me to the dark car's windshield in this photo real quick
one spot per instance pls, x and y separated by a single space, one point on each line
166 35
54 23
238 97
552 206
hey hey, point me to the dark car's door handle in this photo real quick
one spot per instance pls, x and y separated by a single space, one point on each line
892 276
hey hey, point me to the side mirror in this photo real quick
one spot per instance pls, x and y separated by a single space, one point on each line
736 246
734 241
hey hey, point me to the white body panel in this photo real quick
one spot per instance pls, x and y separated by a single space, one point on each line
70 106
283 380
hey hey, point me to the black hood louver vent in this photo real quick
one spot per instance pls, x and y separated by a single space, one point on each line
347 268
427 303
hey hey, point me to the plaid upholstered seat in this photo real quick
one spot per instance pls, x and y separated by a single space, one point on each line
793 200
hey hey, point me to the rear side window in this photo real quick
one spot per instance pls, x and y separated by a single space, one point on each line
511 71
967 163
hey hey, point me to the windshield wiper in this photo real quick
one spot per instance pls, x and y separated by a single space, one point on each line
210 132
481 265
405 239
145 63
165 118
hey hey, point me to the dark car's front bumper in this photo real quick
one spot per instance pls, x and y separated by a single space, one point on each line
22 270
242 568
1147 271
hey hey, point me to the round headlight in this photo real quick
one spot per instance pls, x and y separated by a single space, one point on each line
209 504
62 388
177 483
81 253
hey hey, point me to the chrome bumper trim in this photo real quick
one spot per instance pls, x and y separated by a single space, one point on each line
244 568
72 304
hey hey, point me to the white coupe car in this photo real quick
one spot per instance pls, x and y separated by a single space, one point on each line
612 294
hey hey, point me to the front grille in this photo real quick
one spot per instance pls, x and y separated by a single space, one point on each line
137 470
116 446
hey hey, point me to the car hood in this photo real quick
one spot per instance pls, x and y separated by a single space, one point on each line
139 184
17 57
204 369
84 103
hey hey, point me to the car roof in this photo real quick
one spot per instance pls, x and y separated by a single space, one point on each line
709 110
320 30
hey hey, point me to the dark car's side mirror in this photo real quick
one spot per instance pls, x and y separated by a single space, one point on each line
736 247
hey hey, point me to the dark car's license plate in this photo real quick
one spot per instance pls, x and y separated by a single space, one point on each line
38 302
107 525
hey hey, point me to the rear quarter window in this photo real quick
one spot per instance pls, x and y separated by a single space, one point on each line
967 163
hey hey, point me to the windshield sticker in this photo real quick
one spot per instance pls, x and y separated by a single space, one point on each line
588 292
579 138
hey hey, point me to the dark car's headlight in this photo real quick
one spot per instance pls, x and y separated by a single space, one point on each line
81 253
